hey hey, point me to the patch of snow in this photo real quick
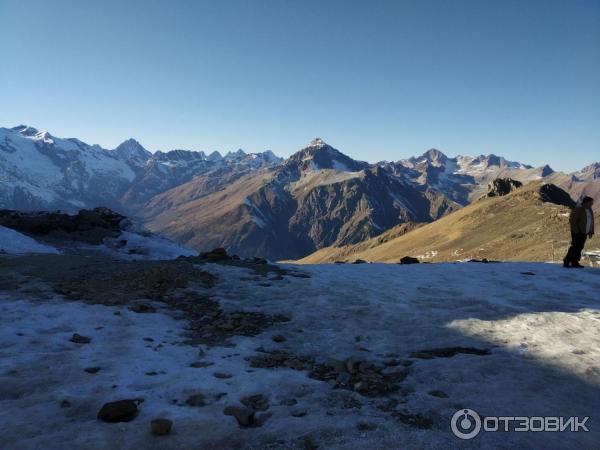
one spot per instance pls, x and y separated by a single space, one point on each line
148 247
15 243
337 165
428 254
257 215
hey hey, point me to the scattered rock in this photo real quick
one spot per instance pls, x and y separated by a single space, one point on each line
217 254
299 413
65 404
92 369
413 420
196 400
222 375
278 338
244 416
352 365
484 261
365 426
438 393
201 364
79 339
289 402
449 352
299 275
142 308
409 260
119 411
256 402
257 260
161 427
370 382
343 379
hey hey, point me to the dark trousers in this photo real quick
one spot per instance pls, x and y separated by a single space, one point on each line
577 243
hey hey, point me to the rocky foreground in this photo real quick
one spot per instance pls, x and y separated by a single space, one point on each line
215 352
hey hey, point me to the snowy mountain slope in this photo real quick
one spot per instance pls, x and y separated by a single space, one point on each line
463 178
14 243
370 356
39 171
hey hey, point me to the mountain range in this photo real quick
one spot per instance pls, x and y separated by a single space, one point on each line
257 203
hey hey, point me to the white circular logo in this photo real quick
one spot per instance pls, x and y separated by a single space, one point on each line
465 424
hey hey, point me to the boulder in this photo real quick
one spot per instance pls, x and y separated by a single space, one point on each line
118 411
409 260
243 415
79 339
196 400
142 308
161 427
217 254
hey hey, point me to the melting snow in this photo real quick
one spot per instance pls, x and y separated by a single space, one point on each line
539 321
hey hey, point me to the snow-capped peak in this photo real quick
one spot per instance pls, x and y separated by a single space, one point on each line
132 152
436 157
317 142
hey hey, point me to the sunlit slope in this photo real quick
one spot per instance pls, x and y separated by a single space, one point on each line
518 226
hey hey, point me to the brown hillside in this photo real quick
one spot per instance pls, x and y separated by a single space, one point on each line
518 226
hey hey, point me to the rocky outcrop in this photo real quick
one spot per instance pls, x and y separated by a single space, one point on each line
553 194
502 186
88 225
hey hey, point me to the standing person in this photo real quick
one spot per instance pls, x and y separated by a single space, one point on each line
582 227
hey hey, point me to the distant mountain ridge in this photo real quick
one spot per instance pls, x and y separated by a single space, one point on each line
40 171
257 203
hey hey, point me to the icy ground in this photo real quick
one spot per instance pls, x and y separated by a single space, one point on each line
14 243
540 322
128 245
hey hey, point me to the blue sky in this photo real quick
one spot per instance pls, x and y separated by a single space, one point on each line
375 79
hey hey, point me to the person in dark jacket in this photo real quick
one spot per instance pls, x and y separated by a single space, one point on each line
582 227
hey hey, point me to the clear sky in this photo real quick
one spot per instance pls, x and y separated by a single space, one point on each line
376 79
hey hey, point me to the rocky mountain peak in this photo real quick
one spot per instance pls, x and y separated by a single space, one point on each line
435 156
132 151
319 155
546 170
591 172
